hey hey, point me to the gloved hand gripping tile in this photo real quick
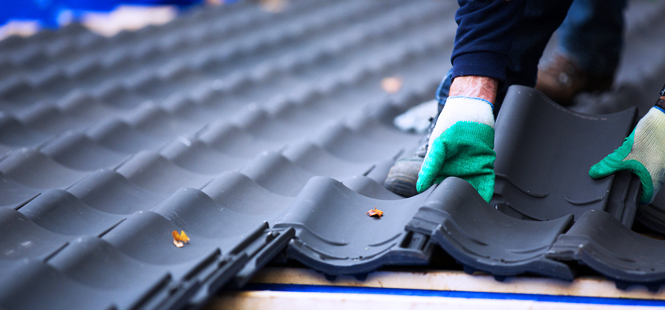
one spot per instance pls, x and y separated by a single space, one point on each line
482 238
602 243
335 236
543 156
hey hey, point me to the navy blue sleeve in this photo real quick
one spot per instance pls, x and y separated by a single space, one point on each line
485 33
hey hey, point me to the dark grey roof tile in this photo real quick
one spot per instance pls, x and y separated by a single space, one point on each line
110 192
522 186
196 156
276 173
38 276
25 239
156 173
140 237
231 124
201 216
83 67
15 134
237 192
61 212
77 151
35 169
14 193
15 88
89 259
501 245
231 139
319 161
652 215
369 188
365 244
84 108
601 242
352 145
117 94
50 119
155 121
119 136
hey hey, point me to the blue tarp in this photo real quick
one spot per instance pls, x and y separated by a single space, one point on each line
48 12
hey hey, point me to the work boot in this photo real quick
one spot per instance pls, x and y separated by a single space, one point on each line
403 175
561 79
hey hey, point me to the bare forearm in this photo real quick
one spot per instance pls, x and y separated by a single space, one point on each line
475 86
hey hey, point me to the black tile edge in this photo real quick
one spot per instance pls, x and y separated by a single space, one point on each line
476 246
653 215
623 197
610 248
243 262
264 249
417 251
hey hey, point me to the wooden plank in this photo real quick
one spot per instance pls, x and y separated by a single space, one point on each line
459 281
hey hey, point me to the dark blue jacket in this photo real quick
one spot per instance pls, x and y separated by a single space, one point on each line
485 33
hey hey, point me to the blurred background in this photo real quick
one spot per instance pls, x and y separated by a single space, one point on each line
106 17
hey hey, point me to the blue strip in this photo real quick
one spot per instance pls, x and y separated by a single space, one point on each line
453 294
659 108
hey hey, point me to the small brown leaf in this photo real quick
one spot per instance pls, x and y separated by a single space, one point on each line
179 239
376 212
183 237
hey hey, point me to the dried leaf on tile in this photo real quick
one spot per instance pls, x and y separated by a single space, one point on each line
376 212
179 239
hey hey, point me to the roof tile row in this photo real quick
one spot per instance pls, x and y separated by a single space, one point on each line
237 126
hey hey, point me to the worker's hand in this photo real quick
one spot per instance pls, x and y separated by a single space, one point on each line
462 142
643 153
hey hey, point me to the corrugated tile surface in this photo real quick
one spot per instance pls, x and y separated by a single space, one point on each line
255 133
212 124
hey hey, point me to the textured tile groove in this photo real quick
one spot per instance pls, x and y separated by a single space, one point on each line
196 136
256 133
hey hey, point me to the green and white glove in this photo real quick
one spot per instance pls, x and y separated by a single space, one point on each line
462 145
643 153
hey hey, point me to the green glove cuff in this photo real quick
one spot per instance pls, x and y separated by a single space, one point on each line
615 162
467 149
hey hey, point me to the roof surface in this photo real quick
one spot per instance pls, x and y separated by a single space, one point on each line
262 133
